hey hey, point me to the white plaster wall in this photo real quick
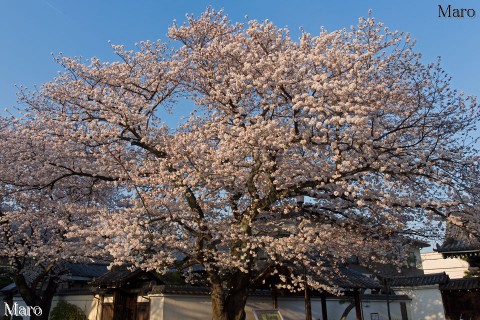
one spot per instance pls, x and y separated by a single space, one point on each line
257 303
426 302
294 308
88 303
381 308
433 262
156 307
199 307
291 308
186 307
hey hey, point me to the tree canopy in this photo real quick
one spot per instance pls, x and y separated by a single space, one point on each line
376 142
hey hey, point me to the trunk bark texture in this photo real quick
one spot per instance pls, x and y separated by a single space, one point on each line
32 298
324 307
308 303
229 304
347 310
358 306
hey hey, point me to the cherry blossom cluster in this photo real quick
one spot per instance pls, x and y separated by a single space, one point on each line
375 141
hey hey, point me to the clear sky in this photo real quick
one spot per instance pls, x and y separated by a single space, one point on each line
31 30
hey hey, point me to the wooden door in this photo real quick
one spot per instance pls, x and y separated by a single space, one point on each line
107 311
126 307
143 311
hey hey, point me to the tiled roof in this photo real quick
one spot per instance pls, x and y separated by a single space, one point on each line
458 242
68 271
462 284
84 270
346 278
423 280
118 276
172 289
195 290
8 288
458 248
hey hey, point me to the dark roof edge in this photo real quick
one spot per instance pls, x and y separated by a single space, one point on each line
418 281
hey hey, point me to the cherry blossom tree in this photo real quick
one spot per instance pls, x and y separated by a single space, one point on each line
40 203
375 141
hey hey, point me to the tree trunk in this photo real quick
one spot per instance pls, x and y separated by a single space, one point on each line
358 306
230 304
355 303
347 310
324 306
308 303
45 306
35 299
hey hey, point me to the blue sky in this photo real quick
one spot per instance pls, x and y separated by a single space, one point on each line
30 30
